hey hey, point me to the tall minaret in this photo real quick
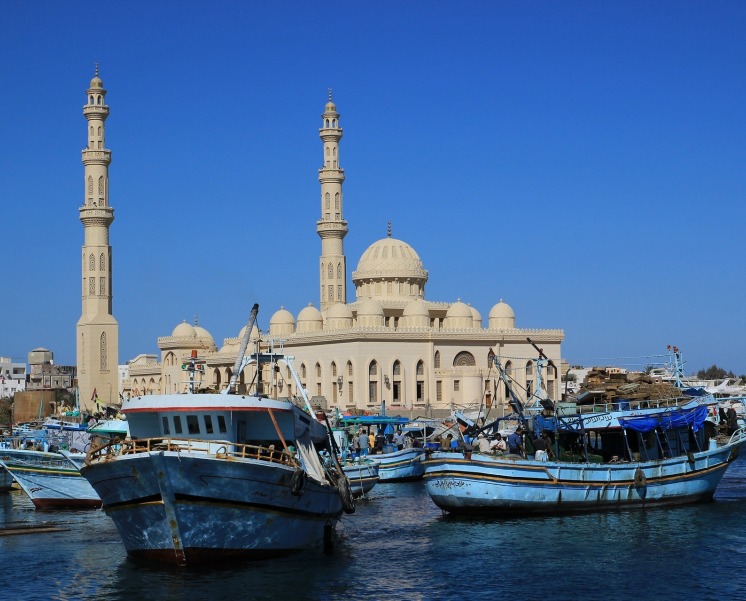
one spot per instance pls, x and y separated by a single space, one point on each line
97 331
332 228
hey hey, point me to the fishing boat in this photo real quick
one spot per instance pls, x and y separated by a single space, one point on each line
394 464
641 458
362 474
51 480
206 477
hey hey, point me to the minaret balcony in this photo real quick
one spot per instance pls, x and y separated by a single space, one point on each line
329 229
329 174
96 111
96 157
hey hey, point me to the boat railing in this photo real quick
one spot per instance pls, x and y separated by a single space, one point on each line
215 448
625 405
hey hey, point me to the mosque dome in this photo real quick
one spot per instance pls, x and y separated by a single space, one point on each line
184 330
309 320
338 317
282 323
330 107
458 316
502 317
200 332
390 257
370 313
96 83
390 269
415 315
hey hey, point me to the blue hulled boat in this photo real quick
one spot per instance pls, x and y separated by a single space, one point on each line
214 476
641 458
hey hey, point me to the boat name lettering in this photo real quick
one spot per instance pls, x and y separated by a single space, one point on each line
598 418
449 483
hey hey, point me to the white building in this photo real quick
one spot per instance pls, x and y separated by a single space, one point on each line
12 377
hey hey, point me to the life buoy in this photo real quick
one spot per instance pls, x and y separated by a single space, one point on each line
640 479
345 492
297 482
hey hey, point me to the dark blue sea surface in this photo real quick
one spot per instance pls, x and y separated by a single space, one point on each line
398 545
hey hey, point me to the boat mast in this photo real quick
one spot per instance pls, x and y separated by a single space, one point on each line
242 351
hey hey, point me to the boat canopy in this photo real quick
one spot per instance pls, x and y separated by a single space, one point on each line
667 421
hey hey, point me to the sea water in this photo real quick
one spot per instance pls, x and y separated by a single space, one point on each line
398 545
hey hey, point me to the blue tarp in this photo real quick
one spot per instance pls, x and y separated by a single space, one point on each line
673 419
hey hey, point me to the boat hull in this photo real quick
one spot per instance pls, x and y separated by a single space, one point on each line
50 480
400 466
186 509
487 485
362 476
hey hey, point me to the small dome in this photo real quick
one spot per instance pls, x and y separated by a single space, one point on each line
502 309
339 310
476 317
415 315
338 317
458 316
282 323
184 330
369 307
283 316
96 83
370 314
459 309
309 319
253 336
330 107
416 308
502 317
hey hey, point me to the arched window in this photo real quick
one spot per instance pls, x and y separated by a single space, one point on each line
529 368
91 263
436 362
396 370
90 99
104 350
318 370
334 369
336 201
98 99
334 123
373 382
349 368
339 271
326 123
101 185
420 368
327 200
327 151
464 359
99 130
509 369
91 131
334 151
102 262
331 271
302 370
90 185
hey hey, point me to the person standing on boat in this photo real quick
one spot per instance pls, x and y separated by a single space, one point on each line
515 442
483 444
363 443
355 446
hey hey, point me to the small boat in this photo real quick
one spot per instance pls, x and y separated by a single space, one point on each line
215 476
400 466
51 480
362 474
643 459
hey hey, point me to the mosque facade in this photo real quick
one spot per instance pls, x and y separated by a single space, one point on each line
390 345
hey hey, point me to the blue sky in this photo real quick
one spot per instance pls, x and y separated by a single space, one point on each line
583 161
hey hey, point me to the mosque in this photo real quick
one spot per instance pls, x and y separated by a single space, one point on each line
391 345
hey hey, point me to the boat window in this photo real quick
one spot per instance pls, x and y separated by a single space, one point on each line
208 424
166 429
221 424
193 424
177 424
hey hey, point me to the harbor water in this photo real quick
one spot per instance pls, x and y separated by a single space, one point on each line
398 545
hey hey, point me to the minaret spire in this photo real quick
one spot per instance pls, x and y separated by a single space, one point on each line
97 330
332 228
